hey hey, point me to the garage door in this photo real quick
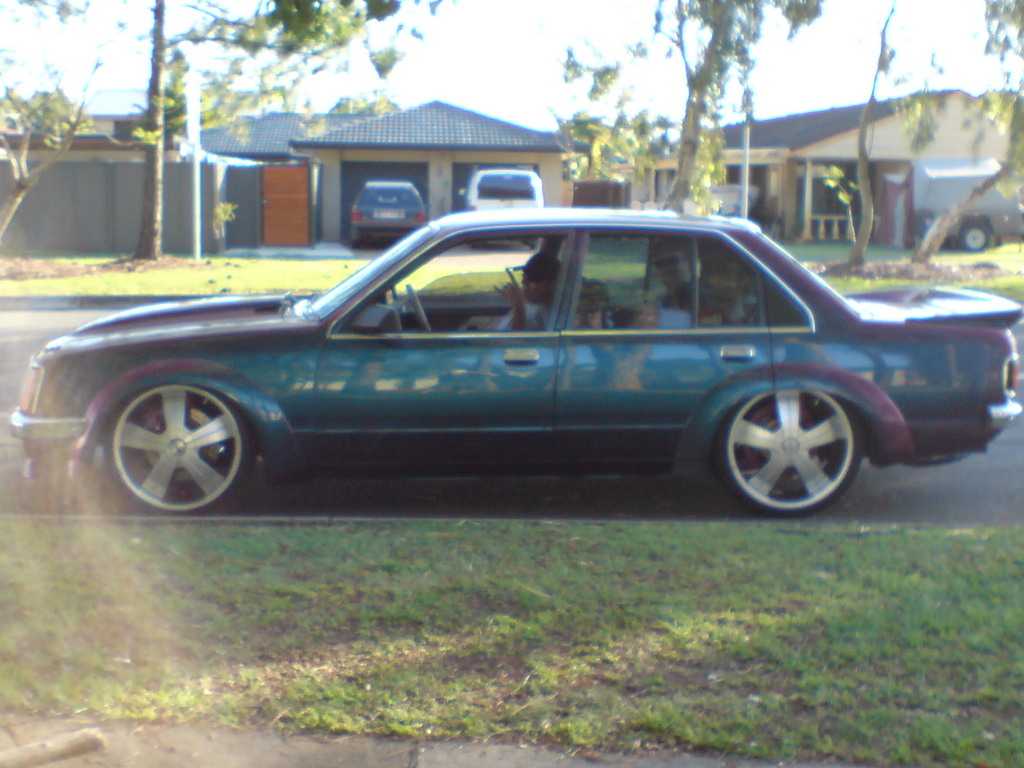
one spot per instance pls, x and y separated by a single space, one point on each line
354 175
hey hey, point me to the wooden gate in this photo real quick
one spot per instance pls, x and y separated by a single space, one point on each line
286 205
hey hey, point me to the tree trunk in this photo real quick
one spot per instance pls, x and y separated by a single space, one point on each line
940 228
10 207
151 233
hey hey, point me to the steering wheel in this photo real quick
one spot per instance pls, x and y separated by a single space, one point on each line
417 307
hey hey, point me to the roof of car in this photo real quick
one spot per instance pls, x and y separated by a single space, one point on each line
388 183
585 217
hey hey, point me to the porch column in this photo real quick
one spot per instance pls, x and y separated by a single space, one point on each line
808 188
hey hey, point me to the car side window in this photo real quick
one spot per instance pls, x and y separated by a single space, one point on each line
464 288
728 287
666 283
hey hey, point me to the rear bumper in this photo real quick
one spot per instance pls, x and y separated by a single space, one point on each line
1001 415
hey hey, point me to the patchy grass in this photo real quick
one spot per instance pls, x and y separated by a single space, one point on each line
218 275
96 277
782 642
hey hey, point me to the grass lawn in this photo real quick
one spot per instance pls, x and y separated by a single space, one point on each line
254 275
776 641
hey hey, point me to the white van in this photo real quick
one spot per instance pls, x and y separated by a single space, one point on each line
492 188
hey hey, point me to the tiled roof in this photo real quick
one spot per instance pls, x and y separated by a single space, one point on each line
796 131
267 137
436 125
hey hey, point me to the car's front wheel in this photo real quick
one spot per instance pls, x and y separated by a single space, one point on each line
789 453
179 448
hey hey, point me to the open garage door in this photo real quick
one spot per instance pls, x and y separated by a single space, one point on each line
355 174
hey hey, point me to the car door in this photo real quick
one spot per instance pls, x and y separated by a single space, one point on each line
437 385
658 320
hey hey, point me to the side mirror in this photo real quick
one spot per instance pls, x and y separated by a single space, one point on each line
377 318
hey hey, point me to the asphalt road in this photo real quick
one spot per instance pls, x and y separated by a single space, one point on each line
983 489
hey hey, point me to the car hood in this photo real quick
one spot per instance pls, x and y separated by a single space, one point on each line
207 311
955 306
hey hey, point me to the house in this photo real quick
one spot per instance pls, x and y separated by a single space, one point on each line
788 157
436 146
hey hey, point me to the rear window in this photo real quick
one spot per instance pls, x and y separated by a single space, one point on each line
386 196
511 187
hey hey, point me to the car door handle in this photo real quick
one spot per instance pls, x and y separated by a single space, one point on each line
737 352
522 357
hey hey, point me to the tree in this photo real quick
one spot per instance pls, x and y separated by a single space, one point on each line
284 40
636 139
1005 22
36 130
150 245
864 187
714 39
45 123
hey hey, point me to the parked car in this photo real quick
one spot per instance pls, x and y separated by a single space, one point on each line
669 342
386 208
492 188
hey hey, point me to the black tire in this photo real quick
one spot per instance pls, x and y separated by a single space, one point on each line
790 453
180 449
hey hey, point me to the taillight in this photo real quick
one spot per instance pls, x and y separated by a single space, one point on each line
30 388
421 216
357 216
1012 375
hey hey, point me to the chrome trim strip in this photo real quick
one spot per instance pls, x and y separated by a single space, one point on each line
26 427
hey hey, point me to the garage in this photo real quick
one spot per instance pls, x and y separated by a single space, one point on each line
355 174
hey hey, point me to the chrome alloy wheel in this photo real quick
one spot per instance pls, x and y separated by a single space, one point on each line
791 452
177 448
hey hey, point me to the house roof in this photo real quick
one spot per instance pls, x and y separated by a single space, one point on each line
434 126
267 137
794 132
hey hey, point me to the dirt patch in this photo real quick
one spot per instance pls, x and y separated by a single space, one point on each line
29 267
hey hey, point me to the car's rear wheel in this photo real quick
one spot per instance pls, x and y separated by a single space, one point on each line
179 448
789 453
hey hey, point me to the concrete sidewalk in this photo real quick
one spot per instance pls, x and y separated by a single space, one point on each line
128 745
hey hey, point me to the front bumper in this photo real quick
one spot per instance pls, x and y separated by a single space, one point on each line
44 428
1001 414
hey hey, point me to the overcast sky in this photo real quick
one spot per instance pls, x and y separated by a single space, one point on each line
505 58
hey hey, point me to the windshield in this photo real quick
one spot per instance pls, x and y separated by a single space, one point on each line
326 303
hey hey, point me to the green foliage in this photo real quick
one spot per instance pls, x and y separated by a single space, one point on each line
779 642
835 179
715 39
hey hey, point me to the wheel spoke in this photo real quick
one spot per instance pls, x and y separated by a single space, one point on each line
825 433
134 436
812 474
202 473
159 478
216 431
173 403
788 404
752 435
765 479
